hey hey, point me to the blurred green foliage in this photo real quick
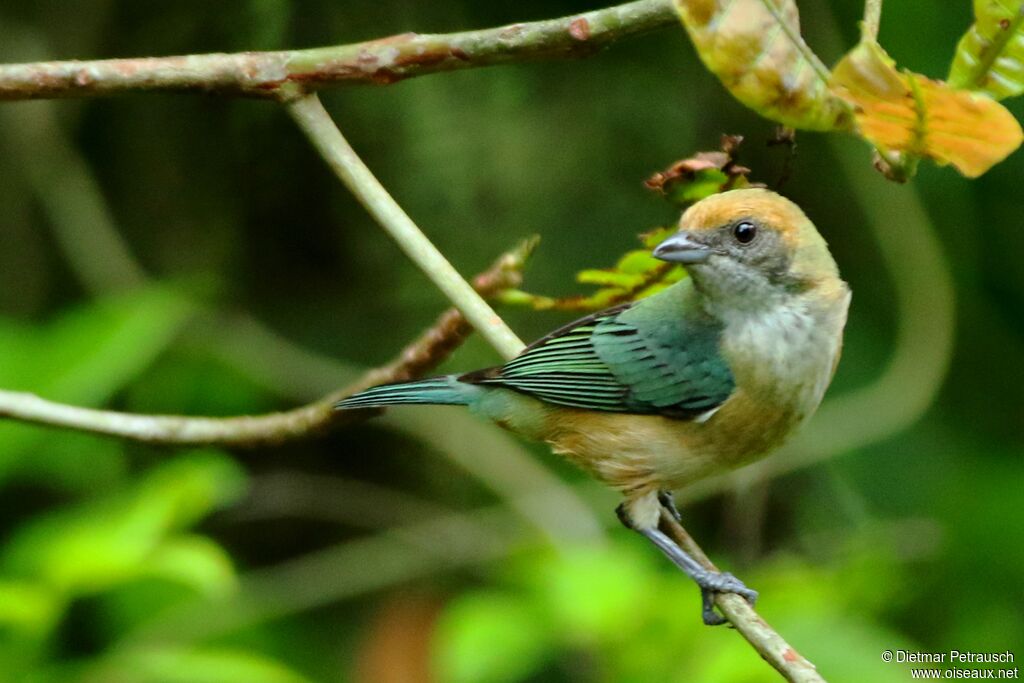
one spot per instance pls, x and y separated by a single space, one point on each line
617 613
312 561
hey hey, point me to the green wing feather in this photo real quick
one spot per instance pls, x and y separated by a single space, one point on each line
637 358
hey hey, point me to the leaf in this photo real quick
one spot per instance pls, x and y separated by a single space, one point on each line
990 56
194 561
28 607
102 544
702 175
756 50
653 238
611 277
185 665
490 636
83 357
637 262
908 113
594 594
617 285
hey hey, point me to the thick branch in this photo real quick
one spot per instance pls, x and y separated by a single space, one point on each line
422 355
316 123
280 75
769 644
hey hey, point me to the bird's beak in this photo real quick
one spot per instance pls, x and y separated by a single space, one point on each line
681 248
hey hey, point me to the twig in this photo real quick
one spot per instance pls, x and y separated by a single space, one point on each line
872 19
433 346
278 75
316 123
768 643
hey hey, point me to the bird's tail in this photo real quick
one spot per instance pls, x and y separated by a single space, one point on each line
445 390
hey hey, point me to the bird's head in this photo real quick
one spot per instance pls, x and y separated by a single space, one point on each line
747 248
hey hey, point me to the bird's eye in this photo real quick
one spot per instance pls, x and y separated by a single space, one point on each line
744 232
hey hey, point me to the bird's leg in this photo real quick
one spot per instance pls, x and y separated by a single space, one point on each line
709 582
668 501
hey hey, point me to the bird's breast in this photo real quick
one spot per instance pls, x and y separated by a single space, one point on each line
783 361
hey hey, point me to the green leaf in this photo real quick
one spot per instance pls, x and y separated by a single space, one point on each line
595 595
84 357
655 237
705 173
102 544
609 278
490 636
194 561
990 56
636 275
637 262
28 607
704 184
181 665
756 50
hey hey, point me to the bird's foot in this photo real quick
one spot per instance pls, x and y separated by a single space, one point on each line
720 582
709 582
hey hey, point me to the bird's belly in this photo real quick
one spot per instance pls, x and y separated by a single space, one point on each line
635 453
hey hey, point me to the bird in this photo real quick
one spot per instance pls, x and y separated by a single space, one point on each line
707 375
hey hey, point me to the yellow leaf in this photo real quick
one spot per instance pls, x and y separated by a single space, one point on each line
756 50
909 113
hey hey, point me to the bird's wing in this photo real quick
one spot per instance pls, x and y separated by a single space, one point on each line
619 362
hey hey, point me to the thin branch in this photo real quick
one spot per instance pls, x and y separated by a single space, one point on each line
423 354
282 74
872 19
772 647
316 123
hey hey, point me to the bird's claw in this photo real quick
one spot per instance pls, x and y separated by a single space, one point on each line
720 582
707 613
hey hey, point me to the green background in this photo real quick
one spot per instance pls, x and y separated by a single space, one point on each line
190 254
